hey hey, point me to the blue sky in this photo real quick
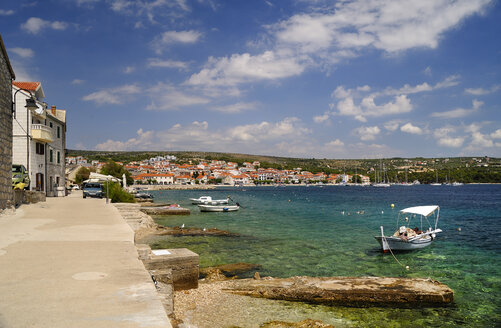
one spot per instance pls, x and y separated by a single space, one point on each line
298 78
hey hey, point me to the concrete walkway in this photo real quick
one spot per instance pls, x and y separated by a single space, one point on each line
71 262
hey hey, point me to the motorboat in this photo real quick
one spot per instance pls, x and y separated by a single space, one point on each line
407 238
218 208
207 200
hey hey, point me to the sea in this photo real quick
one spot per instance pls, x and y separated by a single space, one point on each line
327 231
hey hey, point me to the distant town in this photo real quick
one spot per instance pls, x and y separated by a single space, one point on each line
171 170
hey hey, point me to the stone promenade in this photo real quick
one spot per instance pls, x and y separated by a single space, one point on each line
71 262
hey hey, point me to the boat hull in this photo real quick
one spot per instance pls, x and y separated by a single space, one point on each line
399 244
218 208
196 201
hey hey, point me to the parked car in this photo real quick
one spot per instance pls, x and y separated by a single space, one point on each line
20 175
92 189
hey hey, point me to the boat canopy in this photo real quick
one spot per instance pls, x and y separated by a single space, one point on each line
421 210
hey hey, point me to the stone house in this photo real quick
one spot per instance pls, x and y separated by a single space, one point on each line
6 77
39 140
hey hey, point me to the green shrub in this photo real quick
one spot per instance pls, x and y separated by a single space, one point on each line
117 194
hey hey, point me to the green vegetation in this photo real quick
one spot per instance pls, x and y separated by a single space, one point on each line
116 170
117 194
83 174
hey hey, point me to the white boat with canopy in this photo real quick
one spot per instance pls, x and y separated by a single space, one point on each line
207 200
407 238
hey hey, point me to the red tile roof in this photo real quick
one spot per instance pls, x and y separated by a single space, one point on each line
32 86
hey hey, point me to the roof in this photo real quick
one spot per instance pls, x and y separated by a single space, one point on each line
4 51
31 86
421 210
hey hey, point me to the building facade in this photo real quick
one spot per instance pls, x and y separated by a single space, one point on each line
39 140
6 77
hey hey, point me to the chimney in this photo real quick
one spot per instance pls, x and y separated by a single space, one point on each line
53 110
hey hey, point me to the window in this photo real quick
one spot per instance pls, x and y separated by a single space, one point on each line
58 132
40 148
58 157
51 158
50 124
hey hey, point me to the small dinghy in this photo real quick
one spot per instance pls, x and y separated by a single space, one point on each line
218 208
407 238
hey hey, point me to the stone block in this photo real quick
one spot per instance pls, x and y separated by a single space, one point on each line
182 262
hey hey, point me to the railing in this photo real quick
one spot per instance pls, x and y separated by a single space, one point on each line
41 132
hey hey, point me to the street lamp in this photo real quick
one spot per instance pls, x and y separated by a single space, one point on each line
31 104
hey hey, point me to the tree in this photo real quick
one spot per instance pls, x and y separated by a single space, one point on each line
116 170
117 194
82 175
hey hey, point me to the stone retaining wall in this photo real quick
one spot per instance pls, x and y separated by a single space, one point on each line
6 195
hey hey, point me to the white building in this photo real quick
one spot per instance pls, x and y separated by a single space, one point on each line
39 139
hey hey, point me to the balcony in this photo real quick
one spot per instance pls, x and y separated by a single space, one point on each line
41 133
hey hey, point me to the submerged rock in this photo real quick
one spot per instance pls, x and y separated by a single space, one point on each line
229 270
351 291
308 323
179 232
165 210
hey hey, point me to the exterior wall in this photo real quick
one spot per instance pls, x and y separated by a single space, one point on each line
56 167
6 194
25 149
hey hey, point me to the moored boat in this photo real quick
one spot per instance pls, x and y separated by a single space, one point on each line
218 208
207 200
407 238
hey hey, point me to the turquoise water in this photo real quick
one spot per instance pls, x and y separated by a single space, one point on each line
303 231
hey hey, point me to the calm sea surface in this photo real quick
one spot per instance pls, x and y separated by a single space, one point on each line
316 231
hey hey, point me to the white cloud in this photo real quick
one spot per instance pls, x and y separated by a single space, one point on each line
452 142
392 125
409 128
289 126
129 69
169 38
391 26
6 12
366 133
264 137
367 106
156 62
427 71
77 81
496 134
335 143
169 97
142 141
321 118
235 108
459 112
34 25
23 52
167 9
444 138
481 91
245 68
113 96
481 140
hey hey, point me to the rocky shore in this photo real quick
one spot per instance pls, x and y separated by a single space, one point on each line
221 300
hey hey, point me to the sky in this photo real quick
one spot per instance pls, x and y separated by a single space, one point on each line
296 78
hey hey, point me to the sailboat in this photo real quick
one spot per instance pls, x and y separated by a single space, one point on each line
382 183
436 180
